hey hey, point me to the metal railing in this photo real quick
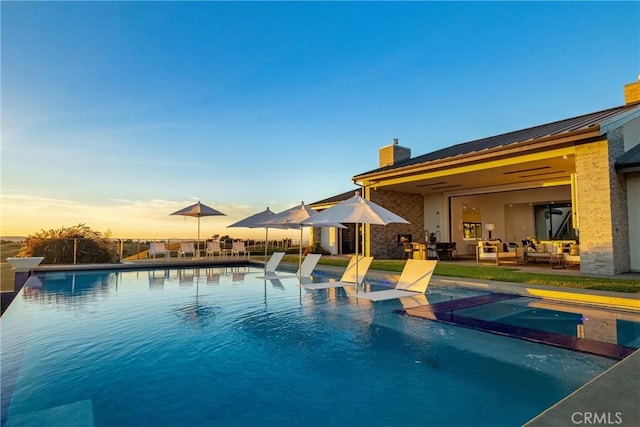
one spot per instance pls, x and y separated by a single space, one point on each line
82 251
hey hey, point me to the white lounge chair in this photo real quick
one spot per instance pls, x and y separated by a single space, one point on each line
158 248
414 280
306 269
213 248
186 248
349 275
238 247
272 264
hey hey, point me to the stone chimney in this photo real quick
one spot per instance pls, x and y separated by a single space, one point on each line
392 154
632 93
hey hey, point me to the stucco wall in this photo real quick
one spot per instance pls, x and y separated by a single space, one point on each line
382 239
435 216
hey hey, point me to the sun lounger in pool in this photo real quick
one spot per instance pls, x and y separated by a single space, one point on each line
414 280
272 264
349 275
306 268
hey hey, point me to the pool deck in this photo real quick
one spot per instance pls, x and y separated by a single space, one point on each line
612 398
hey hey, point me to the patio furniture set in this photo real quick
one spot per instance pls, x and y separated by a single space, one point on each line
558 255
437 250
188 248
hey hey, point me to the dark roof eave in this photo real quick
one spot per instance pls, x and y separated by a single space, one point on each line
629 161
550 131
483 155
628 168
334 199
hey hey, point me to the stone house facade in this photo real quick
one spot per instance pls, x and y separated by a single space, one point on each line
576 179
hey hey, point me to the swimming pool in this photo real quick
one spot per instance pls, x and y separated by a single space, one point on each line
216 346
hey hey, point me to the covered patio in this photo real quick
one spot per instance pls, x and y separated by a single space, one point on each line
554 185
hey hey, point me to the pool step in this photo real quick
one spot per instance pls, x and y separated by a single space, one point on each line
445 312
76 414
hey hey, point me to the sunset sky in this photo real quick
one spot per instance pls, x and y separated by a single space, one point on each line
115 114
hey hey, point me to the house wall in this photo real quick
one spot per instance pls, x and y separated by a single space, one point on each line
619 204
382 240
631 133
314 236
435 217
633 200
328 237
602 207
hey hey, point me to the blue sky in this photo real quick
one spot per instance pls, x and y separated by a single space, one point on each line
115 114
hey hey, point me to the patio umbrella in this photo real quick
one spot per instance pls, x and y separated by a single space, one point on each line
198 210
292 218
355 210
255 221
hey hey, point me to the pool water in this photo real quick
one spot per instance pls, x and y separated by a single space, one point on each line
217 346
619 328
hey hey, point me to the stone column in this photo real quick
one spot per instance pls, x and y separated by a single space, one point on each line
382 239
602 207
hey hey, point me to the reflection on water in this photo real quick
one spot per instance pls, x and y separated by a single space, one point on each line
197 313
143 340
64 288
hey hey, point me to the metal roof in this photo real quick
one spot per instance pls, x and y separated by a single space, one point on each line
335 199
583 122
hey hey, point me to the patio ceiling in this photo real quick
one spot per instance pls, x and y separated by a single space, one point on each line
528 158
533 170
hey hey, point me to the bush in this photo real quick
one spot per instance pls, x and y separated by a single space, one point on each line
317 249
57 246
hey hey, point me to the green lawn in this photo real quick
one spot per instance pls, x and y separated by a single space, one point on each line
506 274
501 274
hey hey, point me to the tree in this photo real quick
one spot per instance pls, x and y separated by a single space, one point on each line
58 246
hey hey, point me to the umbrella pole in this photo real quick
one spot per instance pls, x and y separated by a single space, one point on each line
300 257
357 259
198 251
266 239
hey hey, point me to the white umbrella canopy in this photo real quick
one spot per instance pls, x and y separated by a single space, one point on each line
198 210
356 210
293 218
256 221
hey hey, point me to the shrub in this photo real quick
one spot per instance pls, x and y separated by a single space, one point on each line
318 249
57 246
